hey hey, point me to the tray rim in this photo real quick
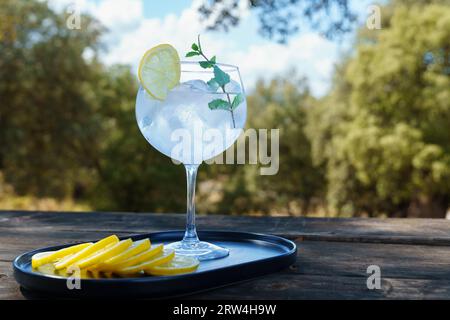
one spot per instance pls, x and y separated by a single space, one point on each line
291 251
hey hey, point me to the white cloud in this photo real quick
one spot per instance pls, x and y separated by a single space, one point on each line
308 53
131 34
119 15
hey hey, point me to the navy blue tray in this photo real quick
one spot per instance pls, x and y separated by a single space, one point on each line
251 255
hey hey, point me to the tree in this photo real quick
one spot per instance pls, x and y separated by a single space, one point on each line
278 104
388 148
131 175
67 123
280 19
49 129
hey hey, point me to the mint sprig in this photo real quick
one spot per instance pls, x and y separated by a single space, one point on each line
220 80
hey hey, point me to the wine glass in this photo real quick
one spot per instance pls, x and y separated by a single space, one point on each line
191 126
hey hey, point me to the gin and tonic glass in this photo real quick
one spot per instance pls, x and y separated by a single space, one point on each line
185 128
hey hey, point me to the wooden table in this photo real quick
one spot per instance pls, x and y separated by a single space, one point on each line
333 254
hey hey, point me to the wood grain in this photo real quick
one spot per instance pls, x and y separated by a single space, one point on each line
416 231
333 254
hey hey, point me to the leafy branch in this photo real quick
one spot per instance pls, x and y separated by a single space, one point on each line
220 80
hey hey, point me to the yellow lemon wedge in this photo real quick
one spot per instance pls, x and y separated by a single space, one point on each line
178 265
159 70
70 260
137 259
42 258
161 258
106 253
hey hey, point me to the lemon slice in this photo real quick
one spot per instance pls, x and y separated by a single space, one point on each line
47 268
106 253
135 249
42 258
163 257
179 265
159 70
134 260
99 245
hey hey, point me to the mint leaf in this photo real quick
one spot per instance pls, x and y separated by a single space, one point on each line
221 77
219 104
238 99
192 54
206 64
220 80
213 85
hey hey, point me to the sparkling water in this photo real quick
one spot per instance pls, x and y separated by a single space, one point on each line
183 127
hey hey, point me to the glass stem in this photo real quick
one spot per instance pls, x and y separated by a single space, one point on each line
190 236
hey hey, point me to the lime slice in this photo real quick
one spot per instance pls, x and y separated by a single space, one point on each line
179 265
159 70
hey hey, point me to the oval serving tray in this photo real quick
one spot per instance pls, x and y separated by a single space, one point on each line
251 255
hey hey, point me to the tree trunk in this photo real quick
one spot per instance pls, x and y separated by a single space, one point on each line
428 207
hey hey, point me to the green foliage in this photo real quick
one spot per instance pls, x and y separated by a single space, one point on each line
388 146
132 175
298 186
48 112
67 123
377 144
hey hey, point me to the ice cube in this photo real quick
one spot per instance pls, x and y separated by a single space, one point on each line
198 85
233 87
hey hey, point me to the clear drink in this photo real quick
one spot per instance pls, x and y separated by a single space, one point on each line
184 128
192 124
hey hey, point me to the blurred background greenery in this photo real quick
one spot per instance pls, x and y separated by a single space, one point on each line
377 144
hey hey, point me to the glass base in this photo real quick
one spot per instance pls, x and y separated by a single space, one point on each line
199 249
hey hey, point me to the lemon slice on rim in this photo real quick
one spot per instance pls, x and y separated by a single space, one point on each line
178 265
159 70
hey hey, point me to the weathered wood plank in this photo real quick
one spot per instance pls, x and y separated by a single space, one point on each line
414 231
332 260
352 259
283 287
338 267
9 290
286 285
314 257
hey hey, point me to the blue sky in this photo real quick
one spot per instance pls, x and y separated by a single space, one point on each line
162 8
137 25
